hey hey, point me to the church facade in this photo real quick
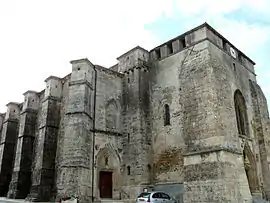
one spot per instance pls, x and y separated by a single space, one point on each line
186 117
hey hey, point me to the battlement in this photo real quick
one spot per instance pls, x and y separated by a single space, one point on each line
197 35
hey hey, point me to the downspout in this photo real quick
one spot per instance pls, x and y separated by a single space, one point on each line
94 136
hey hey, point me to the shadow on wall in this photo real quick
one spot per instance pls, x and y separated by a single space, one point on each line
175 190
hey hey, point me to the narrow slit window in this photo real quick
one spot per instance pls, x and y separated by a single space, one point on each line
166 115
128 170
128 138
234 68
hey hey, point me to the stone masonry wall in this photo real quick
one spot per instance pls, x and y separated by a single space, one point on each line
61 132
43 174
21 173
108 138
209 169
231 76
168 143
198 156
8 145
261 134
74 167
137 154
167 140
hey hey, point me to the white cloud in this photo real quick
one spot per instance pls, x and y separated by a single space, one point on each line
219 7
39 38
246 36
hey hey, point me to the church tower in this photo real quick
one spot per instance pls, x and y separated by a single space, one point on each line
136 120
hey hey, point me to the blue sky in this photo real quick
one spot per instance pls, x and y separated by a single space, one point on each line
38 38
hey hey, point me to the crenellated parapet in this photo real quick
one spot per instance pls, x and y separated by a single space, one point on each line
197 35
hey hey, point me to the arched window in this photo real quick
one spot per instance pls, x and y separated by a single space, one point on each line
111 115
241 113
166 115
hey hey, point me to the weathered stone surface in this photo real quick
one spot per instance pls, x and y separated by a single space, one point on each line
21 177
74 172
7 146
187 118
43 171
260 127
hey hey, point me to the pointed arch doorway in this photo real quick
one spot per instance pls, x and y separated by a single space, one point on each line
107 173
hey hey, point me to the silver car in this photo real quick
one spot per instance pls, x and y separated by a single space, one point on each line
155 197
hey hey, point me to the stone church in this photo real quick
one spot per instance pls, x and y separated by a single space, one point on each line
186 117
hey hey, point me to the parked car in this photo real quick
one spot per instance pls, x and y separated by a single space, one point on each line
155 197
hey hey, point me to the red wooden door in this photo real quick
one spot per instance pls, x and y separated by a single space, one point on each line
105 184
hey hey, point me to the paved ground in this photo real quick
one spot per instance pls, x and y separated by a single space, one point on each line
2 199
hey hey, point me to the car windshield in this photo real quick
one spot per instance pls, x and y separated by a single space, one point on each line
144 194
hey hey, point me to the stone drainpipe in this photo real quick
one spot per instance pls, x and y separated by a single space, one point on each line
94 129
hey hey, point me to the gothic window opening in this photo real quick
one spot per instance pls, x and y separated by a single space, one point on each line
111 115
241 113
166 115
